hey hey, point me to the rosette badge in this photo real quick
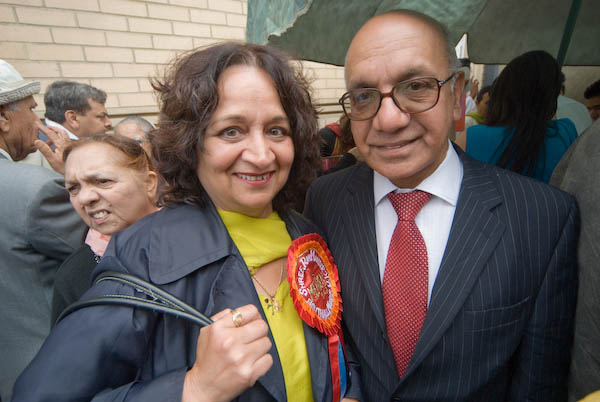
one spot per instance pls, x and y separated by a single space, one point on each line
314 284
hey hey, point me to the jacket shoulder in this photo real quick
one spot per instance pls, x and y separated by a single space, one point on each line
337 180
521 192
299 225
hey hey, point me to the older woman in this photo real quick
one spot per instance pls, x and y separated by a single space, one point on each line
237 148
111 184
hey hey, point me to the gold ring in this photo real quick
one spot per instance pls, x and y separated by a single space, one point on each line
237 318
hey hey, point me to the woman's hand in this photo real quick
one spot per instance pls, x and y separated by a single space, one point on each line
230 356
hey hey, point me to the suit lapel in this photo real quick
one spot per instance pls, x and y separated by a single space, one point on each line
359 219
317 349
473 237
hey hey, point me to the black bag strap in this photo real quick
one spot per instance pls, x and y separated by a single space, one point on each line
161 300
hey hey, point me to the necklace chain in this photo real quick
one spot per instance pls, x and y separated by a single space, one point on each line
274 304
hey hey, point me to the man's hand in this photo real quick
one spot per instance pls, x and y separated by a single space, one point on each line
60 140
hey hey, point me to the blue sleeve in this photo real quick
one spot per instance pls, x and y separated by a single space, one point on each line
475 144
567 130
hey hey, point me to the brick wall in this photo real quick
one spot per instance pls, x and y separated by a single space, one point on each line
116 45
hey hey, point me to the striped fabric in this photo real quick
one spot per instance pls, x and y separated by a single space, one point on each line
500 321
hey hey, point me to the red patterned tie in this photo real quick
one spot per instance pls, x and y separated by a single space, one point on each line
405 278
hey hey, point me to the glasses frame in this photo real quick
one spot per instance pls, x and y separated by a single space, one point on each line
382 95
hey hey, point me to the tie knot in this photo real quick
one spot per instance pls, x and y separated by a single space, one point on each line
408 205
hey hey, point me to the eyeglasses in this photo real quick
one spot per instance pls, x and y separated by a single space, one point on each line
411 96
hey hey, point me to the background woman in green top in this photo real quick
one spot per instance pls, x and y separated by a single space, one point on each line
237 146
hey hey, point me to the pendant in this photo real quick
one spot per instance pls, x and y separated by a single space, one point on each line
276 306
273 304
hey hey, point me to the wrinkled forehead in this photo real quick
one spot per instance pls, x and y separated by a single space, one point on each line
98 154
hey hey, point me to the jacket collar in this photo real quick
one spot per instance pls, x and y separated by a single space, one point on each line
185 237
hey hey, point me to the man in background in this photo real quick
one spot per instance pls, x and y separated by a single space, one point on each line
578 173
39 227
592 100
76 108
572 110
136 128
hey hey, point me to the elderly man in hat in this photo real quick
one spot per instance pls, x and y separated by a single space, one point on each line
39 228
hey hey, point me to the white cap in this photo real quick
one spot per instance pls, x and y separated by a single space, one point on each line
12 85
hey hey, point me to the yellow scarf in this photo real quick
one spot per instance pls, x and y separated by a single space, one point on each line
259 240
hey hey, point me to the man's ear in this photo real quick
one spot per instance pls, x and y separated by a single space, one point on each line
459 89
4 122
72 120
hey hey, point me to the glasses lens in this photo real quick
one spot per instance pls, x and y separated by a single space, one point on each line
416 95
361 103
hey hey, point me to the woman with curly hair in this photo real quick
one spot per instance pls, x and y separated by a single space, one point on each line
236 146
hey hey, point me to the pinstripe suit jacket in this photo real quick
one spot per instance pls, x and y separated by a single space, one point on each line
500 321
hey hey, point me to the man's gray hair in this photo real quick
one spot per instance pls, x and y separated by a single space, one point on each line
14 106
69 95
142 123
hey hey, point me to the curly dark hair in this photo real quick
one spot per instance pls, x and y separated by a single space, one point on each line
188 97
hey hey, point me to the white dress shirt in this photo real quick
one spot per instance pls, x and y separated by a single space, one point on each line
36 158
434 220
6 154
54 124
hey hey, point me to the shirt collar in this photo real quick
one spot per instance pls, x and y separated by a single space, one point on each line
60 126
6 154
444 182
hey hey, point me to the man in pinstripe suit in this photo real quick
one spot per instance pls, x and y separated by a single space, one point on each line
501 247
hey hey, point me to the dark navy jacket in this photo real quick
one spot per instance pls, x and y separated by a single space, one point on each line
114 353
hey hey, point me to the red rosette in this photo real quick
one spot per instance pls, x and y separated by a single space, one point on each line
314 284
